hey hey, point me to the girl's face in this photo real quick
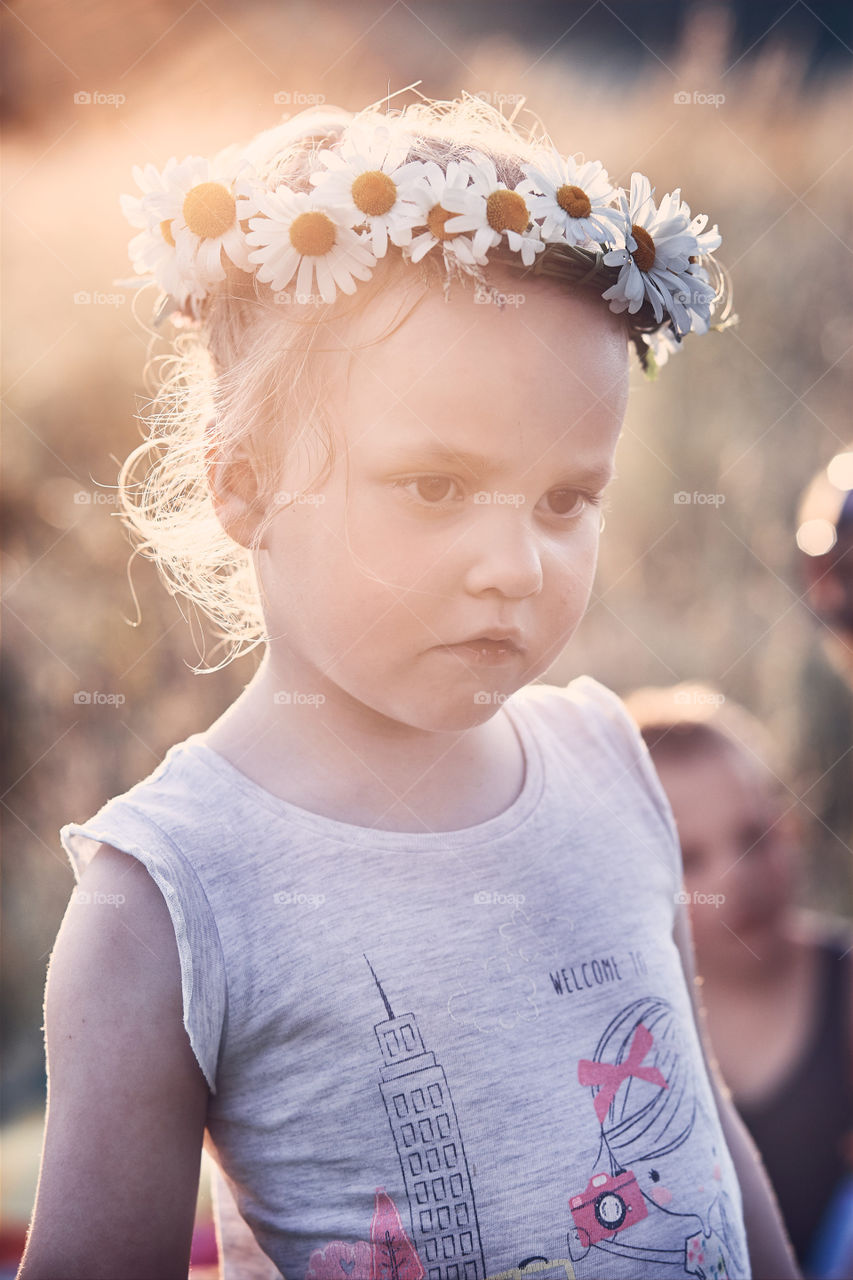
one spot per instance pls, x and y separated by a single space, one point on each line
473 445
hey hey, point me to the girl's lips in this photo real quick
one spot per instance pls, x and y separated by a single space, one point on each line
485 652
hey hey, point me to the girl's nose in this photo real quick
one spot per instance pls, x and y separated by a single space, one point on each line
503 555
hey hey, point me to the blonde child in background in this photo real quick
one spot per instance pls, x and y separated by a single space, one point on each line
776 978
399 939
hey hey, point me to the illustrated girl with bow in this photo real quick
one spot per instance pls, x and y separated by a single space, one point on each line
645 1205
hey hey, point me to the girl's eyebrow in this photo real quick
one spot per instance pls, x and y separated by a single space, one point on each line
596 474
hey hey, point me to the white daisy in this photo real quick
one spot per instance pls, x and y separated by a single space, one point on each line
654 259
697 293
663 344
368 180
201 207
297 237
153 252
430 195
489 209
572 199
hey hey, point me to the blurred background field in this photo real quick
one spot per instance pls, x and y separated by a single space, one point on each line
702 589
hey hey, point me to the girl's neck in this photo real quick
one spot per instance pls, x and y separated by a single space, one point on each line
370 772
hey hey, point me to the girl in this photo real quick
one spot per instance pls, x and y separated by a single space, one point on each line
360 935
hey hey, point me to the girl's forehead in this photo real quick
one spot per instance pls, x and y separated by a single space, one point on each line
465 362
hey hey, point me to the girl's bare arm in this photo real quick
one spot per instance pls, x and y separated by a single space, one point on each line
127 1100
770 1252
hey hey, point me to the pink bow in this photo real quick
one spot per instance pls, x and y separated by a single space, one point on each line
609 1076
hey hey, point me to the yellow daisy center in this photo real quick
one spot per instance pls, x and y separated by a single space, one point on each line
209 210
436 219
574 201
374 193
644 254
312 234
166 231
507 211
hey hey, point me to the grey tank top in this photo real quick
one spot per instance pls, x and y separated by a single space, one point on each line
455 1055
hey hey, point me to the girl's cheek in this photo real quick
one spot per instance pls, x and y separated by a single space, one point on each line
661 1195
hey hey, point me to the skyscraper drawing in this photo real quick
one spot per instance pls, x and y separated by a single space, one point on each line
445 1229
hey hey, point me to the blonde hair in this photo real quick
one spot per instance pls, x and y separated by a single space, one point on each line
249 365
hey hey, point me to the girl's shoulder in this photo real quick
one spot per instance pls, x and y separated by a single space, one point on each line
591 726
178 794
161 822
586 706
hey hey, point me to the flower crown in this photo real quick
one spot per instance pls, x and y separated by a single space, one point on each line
562 219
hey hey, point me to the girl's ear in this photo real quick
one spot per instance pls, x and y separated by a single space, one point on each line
235 491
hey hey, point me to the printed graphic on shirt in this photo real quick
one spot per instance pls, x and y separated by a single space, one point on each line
389 1255
647 1105
640 1200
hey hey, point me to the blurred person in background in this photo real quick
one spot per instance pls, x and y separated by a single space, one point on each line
776 976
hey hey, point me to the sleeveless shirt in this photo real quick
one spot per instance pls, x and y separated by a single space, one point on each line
454 1055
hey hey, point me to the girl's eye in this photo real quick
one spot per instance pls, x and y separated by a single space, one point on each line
569 503
430 489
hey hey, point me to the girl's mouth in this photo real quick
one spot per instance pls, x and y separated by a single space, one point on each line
485 652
